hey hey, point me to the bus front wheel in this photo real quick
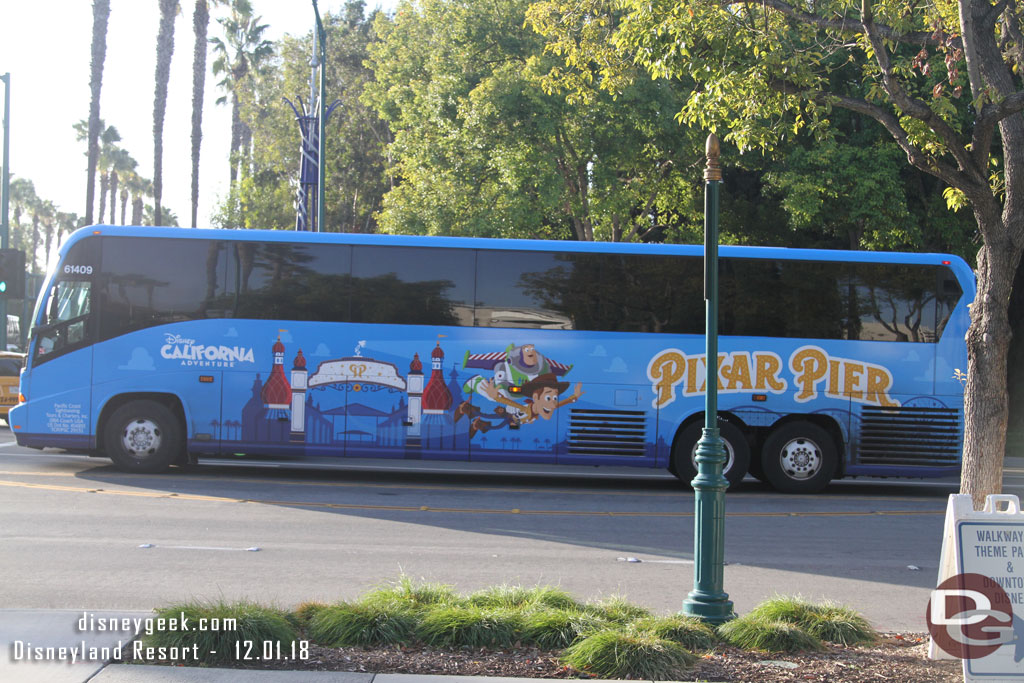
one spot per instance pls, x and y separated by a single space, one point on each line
143 436
799 457
737 452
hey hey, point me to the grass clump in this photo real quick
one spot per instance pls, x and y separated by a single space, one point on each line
618 654
555 629
513 597
840 625
361 624
617 611
470 626
827 621
416 597
217 642
751 632
690 632
306 612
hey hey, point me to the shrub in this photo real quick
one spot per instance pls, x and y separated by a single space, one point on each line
470 626
360 624
306 611
691 633
412 596
827 621
511 597
614 654
617 610
217 645
752 632
555 629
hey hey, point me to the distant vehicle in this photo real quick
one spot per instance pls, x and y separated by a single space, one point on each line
153 345
11 364
13 332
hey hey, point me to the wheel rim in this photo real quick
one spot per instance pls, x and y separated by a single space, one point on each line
141 438
730 456
800 459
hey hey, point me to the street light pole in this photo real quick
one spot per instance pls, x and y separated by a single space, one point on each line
708 600
320 123
5 198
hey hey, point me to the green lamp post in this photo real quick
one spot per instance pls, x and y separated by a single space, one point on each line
5 198
708 601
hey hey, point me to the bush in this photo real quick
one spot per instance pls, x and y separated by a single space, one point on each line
511 597
690 632
827 621
306 611
412 596
469 626
218 645
617 610
555 629
752 632
360 624
614 654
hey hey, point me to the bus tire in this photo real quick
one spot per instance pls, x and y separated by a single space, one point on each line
799 457
737 450
143 436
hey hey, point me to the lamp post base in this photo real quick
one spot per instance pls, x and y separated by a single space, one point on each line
709 607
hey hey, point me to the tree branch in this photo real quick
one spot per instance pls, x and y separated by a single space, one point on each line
843 25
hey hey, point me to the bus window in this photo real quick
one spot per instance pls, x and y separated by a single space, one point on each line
292 281
412 286
894 302
521 289
66 325
148 282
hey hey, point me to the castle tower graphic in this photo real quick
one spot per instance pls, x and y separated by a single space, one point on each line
277 393
437 399
415 383
299 375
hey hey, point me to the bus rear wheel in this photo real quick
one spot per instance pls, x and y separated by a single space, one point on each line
143 436
799 457
737 452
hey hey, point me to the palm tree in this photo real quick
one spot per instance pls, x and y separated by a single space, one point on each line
200 26
164 51
43 212
121 164
106 145
22 198
100 16
139 188
243 54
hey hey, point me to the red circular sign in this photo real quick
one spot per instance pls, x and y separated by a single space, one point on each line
965 614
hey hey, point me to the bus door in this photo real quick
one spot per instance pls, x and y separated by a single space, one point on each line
62 353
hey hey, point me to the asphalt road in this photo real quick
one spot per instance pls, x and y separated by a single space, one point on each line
77 534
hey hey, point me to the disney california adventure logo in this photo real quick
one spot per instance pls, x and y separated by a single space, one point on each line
192 354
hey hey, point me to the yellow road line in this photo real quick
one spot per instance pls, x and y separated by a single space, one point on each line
425 508
430 487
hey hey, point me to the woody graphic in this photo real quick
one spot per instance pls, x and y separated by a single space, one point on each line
521 372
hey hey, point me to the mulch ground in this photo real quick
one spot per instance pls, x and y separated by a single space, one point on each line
898 657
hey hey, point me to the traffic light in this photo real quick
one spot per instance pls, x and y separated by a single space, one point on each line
12 273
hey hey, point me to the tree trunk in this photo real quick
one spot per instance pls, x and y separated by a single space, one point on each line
986 405
137 211
124 203
113 197
100 16
164 52
104 184
200 24
236 137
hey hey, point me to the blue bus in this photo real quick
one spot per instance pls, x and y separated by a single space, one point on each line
159 346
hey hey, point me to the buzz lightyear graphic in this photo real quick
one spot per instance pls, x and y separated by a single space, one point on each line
520 372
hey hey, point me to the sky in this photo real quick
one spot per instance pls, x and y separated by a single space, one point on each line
46 48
